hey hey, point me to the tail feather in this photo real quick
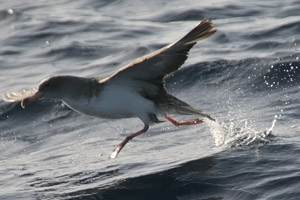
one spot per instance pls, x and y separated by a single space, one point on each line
173 105
189 110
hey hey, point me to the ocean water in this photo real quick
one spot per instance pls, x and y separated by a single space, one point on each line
247 76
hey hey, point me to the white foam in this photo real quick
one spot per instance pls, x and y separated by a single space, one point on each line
217 131
238 133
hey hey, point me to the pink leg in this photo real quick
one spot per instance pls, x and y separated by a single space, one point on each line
118 148
182 123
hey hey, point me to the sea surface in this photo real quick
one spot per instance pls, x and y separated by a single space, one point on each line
247 76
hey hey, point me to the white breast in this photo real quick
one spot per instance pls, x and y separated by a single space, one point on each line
114 102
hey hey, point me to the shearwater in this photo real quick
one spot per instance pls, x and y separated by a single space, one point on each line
135 90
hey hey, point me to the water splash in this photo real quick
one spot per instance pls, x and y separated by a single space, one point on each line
217 131
239 133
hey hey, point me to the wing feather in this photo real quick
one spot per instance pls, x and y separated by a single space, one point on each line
147 72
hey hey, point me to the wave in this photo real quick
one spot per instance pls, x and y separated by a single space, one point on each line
197 14
255 74
275 31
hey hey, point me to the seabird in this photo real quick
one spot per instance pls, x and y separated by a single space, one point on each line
135 90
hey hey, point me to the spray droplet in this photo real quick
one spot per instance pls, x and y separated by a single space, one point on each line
11 11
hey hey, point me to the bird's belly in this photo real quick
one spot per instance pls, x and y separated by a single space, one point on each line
114 106
106 110
97 109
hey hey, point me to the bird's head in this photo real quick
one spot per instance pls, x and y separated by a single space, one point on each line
54 87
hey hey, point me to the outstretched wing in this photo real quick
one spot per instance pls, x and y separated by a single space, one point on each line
18 96
147 73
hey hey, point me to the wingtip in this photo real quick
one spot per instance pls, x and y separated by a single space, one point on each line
208 23
203 30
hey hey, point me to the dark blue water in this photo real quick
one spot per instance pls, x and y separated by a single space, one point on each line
247 76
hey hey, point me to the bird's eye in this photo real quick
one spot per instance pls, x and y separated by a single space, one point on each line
47 85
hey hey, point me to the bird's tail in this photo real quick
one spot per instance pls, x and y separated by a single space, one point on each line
176 106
